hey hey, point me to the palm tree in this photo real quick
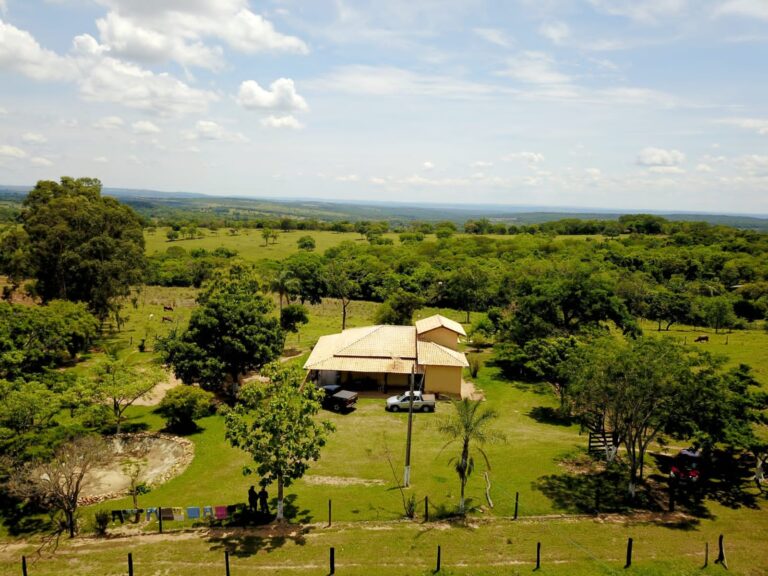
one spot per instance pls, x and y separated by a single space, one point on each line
469 425
285 286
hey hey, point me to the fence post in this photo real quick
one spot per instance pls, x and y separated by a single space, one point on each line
629 553
160 518
426 508
226 561
329 512
538 555
437 566
130 564
517 501
24 565
706 554
721 553
333 561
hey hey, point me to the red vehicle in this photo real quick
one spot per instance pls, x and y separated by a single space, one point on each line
686 467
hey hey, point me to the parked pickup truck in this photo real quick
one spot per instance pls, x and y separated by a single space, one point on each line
337 399
421 402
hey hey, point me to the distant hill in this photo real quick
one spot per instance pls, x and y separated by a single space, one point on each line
156 204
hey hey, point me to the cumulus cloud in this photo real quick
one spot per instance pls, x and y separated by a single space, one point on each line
108 123
702 167
281 95
21 53
494 36
555 32
529 157
209 130
347 178
481 164
660 159
107 79
759 125
40 161
534 68
286 121
162 30
12 151
34 138
428 165
145 127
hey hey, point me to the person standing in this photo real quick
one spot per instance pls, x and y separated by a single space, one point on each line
263 504
252 499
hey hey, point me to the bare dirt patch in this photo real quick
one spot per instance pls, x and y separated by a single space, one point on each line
156 395
162 457
342 481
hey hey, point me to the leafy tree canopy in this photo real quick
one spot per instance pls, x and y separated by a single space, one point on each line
231 333
83 246
276 425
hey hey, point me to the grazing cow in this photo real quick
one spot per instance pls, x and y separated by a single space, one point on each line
166 319
702 339
167 308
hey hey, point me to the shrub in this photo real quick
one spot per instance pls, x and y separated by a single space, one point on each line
474 365
101 522
183 405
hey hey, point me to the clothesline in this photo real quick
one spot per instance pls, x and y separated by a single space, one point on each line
175 513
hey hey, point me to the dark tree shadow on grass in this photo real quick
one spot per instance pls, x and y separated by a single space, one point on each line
550 415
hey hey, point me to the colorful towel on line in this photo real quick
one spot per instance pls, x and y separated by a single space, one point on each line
193 513
178 514
207 511
151 511
220 512
166 513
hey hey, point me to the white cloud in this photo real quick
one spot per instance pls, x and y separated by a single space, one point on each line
556 32
250 33
179 30
702 167
666 170
127 39
12 151
534 68
648 11
347 178
34 138
378 180
494 36
747 8
759 125
481 164
106 79
529 157
660 158
208 130
20 52
101 159
428 165
390 81
594 173
287 121
280 96
3 111
145 127
40 161
69 122
108 123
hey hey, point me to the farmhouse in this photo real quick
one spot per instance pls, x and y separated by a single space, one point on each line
385 356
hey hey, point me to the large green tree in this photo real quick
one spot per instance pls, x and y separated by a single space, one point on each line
231 333
276 425
83 246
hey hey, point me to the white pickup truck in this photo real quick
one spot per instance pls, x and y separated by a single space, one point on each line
421 402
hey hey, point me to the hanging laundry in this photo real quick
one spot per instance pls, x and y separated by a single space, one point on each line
193 513
220 512
178 514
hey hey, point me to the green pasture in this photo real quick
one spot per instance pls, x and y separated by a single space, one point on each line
249 243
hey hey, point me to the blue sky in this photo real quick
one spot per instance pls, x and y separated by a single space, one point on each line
629 104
